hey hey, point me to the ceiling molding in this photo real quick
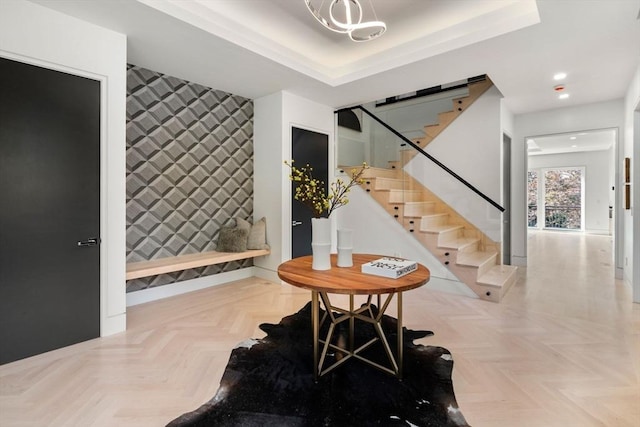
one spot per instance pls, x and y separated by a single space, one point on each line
299 49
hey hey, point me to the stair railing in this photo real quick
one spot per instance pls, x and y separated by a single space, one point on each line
407 141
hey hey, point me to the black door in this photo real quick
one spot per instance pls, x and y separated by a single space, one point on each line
312 148
50 198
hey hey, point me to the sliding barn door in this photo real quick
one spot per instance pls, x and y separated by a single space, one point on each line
49 210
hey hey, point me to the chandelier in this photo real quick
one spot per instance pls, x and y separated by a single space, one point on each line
345 17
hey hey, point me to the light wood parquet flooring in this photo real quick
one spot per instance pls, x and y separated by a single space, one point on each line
562 349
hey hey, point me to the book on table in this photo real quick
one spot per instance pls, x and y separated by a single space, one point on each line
389 267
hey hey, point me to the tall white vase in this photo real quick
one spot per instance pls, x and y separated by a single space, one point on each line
321 243
345 248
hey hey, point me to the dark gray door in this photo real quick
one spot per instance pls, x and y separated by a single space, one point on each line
50 198
506 190
312 148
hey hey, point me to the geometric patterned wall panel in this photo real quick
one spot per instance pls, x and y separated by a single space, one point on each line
189 170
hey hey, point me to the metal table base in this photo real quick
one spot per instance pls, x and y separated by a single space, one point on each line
336 315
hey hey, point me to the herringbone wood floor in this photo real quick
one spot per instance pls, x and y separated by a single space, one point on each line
562 349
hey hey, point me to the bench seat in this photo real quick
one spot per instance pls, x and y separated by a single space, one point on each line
136 270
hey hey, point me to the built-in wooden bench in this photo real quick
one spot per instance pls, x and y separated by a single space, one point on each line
136 270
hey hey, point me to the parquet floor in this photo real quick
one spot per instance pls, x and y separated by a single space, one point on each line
562 349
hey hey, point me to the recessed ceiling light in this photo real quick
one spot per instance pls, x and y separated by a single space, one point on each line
563 96
559 76
574 146
572 137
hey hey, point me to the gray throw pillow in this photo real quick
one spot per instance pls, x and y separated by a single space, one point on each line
232 239
244 224
258 235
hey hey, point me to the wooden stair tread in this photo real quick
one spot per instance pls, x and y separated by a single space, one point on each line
401 193
425 203
153 267
475 259
498 276
435 229
418 209
435 215
381 183
374 172
458 243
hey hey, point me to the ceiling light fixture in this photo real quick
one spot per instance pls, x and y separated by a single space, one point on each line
563 96
345 17
559 76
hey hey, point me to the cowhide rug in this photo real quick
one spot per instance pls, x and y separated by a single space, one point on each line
269 382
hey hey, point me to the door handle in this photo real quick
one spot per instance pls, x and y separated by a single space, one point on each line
294 223
92 241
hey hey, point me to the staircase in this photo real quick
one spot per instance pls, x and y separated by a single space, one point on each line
464 249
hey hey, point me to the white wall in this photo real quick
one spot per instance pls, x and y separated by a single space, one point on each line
596 183
471 146
506 119
39 36
602 115
274 116
631 149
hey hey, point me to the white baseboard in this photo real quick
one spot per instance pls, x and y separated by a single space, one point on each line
266 274
173 289
604 232
113 325
519 261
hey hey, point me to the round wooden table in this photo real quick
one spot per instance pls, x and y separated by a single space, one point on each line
351 281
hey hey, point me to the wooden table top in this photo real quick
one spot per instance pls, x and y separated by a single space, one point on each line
348 280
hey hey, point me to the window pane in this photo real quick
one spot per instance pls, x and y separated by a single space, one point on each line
532 198
563 198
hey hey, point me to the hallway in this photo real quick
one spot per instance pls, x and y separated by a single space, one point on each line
571 274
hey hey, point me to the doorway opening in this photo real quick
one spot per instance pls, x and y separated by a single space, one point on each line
571 181
554 160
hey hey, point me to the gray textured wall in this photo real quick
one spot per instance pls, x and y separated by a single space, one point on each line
189 170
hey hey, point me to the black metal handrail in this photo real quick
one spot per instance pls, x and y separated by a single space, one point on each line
427 155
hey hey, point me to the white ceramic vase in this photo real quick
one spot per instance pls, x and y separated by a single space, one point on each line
345 248
321 243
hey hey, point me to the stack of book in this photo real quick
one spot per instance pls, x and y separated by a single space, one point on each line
390 267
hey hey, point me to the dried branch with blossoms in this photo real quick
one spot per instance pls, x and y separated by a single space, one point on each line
310 191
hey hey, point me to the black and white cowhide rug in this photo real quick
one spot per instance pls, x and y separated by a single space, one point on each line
269 382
